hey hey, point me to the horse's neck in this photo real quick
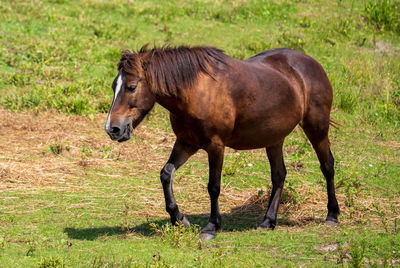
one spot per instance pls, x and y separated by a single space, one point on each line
173 104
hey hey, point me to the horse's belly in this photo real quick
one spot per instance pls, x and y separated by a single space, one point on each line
245 142
250 136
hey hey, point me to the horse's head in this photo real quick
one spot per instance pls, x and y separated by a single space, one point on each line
132 98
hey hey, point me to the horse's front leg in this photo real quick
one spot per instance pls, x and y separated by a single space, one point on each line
215 161
180 153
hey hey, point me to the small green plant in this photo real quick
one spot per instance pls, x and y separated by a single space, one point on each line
305 22
112 262
218 257
178 235
52 262
238 161
31 248
56 148
383 14
291 190
292 41
352 186
347 101
2 243
390 228
106 150
127 221
388 98
86 152
158 262
357 253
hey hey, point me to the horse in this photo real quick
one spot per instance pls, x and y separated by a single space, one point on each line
215 101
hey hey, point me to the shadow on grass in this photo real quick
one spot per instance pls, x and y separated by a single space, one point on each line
93 233
236 221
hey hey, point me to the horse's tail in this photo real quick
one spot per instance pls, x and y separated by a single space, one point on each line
334 124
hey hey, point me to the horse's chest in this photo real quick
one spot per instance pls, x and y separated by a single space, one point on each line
190 131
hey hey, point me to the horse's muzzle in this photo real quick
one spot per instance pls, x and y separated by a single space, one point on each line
119 134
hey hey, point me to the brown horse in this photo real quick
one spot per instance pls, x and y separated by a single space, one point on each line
216 101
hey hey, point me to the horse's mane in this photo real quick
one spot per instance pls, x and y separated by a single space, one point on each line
171 69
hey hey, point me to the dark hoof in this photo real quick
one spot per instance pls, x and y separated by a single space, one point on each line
331 223
185 222
262 228
266 225
206 237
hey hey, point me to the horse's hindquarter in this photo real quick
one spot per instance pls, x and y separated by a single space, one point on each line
269 104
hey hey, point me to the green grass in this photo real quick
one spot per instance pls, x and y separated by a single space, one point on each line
62 55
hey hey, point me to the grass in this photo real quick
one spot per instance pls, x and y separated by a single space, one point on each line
72 198
62 55
106 208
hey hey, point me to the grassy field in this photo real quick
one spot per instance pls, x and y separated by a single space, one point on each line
72 198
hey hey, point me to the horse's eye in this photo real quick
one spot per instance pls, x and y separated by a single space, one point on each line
132 88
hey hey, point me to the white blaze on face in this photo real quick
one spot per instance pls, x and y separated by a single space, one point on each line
117 90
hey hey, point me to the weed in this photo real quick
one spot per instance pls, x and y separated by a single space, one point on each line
357 253
305 22
352 186
52 262
390 227
158 262
232 165
178 235
31 248
86 152
345 27
56 148
342 251
292 41
106 150
383 14
219 256
127 220
113 262
2 243
388 99
292 191
347 101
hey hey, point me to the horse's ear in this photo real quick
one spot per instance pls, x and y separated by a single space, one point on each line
144 48
144 62
125 53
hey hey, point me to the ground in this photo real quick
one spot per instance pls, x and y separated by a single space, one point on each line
70 194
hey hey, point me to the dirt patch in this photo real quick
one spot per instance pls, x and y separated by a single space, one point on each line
49 148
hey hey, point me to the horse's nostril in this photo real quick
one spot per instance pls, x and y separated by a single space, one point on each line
115 130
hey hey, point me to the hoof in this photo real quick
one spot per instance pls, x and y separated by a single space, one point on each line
331 223
185 222
264 228
206 237
266 225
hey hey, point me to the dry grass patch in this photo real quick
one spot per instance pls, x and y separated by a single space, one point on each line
49 148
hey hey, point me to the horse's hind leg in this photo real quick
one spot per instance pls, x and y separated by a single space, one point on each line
278 174
179 155
316 130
